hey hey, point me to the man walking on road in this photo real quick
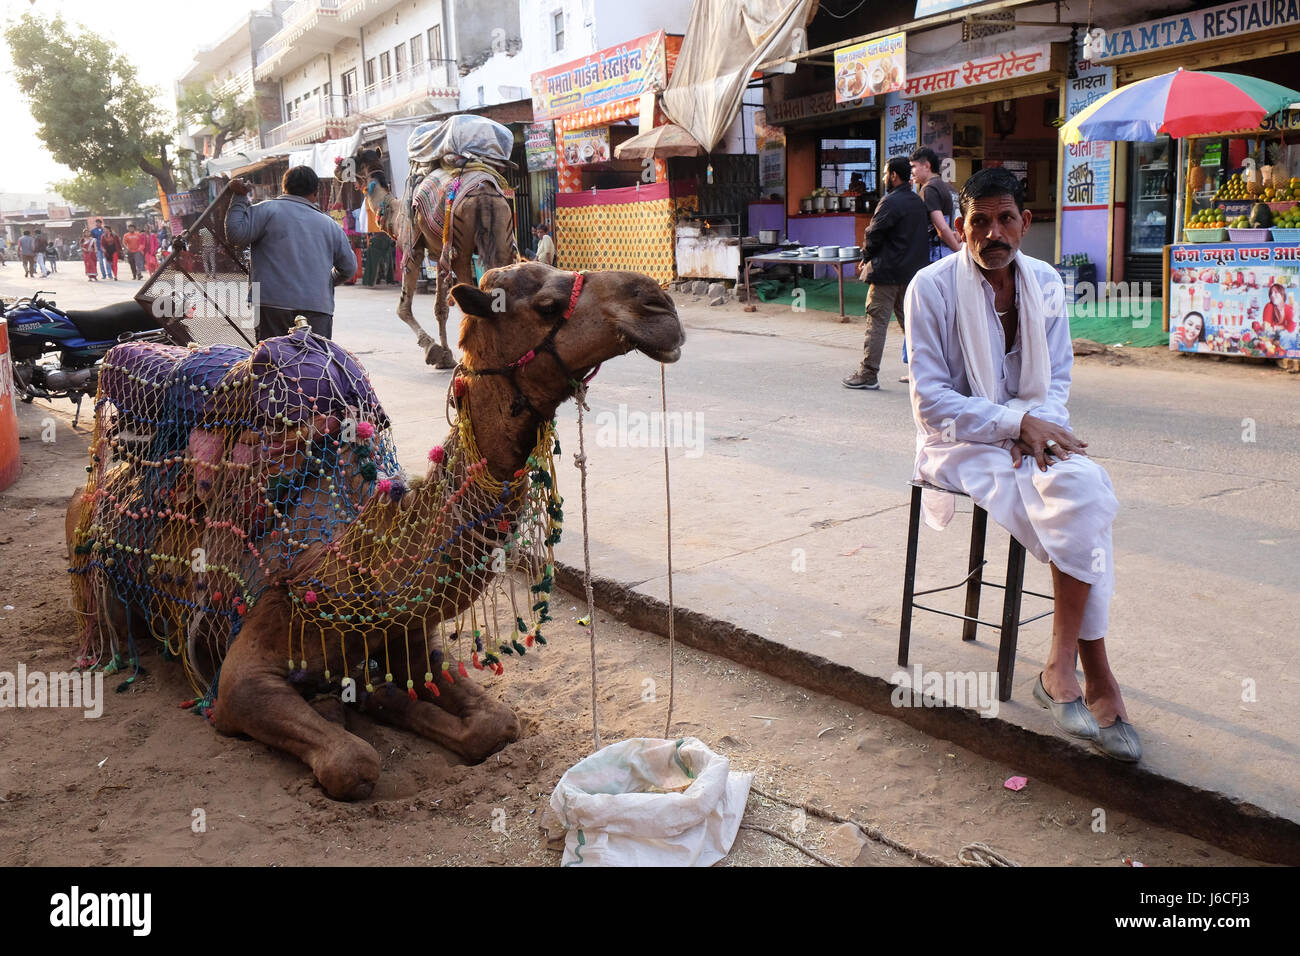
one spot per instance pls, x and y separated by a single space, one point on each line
27 252
298 253
133 244
938 203
896 248
98 235
41 245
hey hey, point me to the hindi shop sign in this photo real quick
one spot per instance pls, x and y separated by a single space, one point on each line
1087 174
901 128
817 104
992 69
539 146
618 73
1197 26
582 147
1235 299
873 68
1087 165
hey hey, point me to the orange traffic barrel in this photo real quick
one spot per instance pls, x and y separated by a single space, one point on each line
11 463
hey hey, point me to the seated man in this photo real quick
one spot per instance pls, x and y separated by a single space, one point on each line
990 359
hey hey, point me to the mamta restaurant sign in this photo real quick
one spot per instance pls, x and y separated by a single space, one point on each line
1198 26
990 69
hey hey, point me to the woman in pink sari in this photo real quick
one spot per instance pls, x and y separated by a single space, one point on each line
151 252
88 257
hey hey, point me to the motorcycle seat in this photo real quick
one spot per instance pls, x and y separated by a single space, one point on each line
107 323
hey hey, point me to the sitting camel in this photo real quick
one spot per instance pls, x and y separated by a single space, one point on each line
481 219
395 598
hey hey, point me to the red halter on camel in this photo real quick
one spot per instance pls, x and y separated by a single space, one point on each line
547 345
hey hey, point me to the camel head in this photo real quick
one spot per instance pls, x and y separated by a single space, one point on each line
522 308
364 161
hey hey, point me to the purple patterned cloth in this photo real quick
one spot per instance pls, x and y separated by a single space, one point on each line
131 375
308 375
192 383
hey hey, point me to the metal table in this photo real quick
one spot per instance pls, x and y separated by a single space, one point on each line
800 261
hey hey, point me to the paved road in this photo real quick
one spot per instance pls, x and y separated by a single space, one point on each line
789 508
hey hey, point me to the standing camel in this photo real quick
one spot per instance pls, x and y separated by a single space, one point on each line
324 570
481 220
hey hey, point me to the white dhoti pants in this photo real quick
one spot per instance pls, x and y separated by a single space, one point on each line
1062 515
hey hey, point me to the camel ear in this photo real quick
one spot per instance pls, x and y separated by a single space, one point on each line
553 297
472 300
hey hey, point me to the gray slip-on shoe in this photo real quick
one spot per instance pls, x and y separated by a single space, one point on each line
1119 741
1073 716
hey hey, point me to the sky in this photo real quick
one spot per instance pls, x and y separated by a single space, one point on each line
154 35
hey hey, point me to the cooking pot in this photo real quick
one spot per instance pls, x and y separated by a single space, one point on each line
819 203
769 237
832 203
805 204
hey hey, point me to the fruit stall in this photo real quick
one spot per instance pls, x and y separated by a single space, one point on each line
1233 282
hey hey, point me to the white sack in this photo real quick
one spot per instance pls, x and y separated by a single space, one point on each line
613 806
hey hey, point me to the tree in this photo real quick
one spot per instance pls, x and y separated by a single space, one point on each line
121 192
226 115
92 112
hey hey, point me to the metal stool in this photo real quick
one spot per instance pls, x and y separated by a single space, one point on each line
974 581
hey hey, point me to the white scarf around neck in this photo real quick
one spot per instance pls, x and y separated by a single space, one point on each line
981 363
977 342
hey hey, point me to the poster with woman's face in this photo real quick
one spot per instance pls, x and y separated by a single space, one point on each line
1233 299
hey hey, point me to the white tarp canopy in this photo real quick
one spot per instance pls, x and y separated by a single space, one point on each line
320 156
725 41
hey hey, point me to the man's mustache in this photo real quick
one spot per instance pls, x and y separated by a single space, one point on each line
989 246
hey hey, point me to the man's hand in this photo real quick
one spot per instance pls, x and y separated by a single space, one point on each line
1035 433
241 187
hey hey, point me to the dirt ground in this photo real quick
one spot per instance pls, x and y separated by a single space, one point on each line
124 788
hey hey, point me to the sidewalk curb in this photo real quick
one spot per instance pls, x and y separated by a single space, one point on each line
1232 824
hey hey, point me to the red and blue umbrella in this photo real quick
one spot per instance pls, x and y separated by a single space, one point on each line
1182 103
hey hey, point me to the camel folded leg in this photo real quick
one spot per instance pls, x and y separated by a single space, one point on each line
254 698
463 718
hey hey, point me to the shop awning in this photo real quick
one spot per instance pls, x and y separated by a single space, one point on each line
659 143
724 42
235 164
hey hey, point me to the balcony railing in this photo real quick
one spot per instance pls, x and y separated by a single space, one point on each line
321 117
240 84
296 20
432 79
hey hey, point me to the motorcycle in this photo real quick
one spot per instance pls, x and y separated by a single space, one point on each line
38 329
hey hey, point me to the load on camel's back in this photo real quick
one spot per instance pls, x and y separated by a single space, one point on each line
247 511
457 203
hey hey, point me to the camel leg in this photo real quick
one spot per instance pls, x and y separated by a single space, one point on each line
442 287
254 698
463 718
405 304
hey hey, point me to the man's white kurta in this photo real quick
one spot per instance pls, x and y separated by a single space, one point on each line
1062 515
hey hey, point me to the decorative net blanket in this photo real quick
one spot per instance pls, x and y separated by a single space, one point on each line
216 473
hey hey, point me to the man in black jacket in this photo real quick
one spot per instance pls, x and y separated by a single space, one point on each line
896 248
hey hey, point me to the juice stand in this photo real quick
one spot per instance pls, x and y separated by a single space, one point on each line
1232 282
1231 278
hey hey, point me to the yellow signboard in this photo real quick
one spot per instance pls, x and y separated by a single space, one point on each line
872 68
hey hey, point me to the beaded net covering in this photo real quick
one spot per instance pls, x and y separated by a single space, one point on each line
218 472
